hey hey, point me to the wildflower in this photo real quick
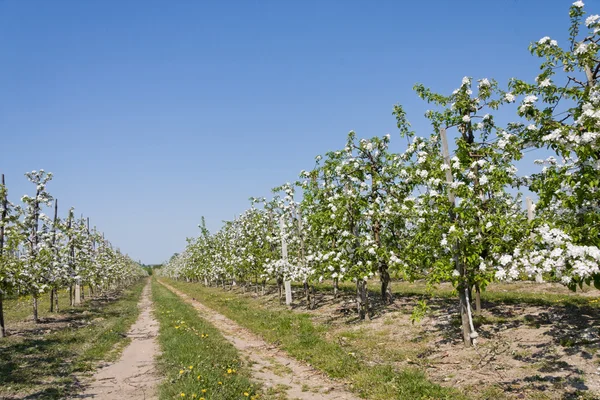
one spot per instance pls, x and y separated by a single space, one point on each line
181 371
578 4
191 367
246 394
182 394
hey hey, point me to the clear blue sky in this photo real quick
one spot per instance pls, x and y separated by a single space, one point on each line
154 113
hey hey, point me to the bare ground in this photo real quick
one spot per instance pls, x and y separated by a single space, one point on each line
269 365
134 376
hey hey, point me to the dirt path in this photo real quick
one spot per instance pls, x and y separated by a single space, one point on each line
271 366
133 376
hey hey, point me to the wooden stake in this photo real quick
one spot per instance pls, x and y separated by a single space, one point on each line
53 291
284 257
530 215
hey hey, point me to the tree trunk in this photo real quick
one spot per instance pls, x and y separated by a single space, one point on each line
307 294
35 309
56 300
2 327
359 303
280 289
477 300
362 299
52 300
464 316
365 292
336 287
71 300
384 276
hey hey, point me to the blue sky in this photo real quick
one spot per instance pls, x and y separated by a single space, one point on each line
154 113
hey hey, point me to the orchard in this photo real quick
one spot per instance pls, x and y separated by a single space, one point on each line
443 261
365 214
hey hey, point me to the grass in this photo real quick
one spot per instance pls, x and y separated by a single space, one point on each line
301 338
19 309
43 361
373 345
196 361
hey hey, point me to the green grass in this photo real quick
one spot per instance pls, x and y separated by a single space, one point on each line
43 360
186 340
19 309
296 333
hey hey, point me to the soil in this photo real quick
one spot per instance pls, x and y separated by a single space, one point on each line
134 376
269 365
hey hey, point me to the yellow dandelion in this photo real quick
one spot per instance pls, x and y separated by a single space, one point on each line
229 370
203 390
220 383
181 371
191 367
246 394
182 394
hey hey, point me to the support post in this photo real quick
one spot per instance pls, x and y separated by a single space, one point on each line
284 256
530 215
